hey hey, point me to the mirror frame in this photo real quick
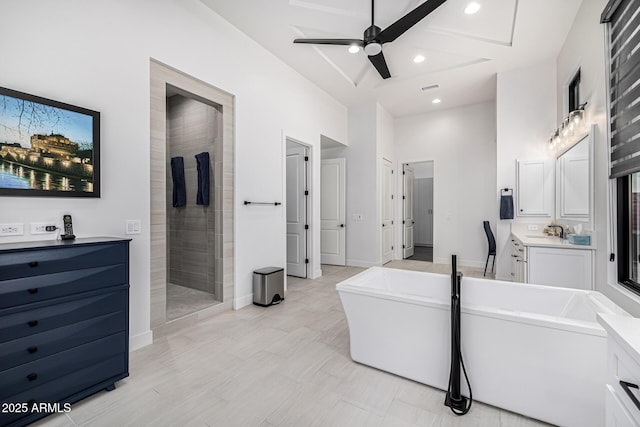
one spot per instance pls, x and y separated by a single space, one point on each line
588 220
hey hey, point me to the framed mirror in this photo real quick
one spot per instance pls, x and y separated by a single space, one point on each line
574 181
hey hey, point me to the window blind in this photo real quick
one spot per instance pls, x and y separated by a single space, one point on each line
623 18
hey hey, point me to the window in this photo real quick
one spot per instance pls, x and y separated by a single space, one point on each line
629 231
623 30
574 92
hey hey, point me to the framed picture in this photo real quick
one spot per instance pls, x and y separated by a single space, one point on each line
47 148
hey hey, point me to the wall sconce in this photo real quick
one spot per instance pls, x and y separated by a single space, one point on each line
571 126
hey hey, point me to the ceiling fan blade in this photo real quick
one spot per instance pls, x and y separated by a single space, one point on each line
399 27
339 42
381 65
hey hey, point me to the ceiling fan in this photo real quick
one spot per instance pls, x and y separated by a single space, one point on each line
374 37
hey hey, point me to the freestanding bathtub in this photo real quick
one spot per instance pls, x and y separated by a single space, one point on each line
534 350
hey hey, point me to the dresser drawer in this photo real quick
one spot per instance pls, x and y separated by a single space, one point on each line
29 375
33 347
16 292
15 324
45 261
77 382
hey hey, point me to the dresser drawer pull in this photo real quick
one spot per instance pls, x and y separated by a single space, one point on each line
33 323
626 386
32 376
32 349
33 290
33 264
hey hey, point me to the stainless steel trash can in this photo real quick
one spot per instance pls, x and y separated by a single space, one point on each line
268 286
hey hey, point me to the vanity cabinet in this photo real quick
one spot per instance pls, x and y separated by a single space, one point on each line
623 370
64 323
534 188
570 268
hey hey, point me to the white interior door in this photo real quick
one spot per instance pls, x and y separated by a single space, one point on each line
387 211
333 212
429 213
408 219
296 210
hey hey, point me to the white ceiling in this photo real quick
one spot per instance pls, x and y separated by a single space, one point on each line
463 52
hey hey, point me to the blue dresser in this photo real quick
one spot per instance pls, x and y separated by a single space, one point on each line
64 324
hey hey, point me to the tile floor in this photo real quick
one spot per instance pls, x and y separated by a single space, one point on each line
182 301
286 365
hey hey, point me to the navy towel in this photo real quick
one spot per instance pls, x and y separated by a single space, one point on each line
506 206
203 179
179 187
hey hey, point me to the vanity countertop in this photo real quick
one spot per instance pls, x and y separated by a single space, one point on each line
624 329
536 238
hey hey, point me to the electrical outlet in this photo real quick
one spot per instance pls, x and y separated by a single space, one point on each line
132 226
16 229
43 227
532 227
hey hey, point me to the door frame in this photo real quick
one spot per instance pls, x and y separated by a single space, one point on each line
311 207
400 206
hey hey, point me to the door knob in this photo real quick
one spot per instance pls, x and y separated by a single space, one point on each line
341 225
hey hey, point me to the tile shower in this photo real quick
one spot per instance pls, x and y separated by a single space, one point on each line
193 127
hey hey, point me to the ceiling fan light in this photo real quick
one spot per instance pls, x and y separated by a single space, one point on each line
372 49
472 8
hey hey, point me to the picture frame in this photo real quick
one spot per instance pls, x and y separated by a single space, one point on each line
47 148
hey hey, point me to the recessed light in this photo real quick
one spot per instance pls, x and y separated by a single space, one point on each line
436 101
418 59
354 48
472 8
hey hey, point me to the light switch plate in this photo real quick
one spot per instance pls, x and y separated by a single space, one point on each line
357 217
132 226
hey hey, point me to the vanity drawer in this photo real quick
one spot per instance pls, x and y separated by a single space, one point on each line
29 375
29 263
33 347
15 324
81 381
623 368
27 290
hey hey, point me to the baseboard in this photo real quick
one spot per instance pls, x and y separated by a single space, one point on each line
504 279
141 340
361 263
244 301
316 274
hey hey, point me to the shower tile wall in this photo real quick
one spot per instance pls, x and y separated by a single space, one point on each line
192 127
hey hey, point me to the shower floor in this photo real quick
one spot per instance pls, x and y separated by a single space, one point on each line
182 301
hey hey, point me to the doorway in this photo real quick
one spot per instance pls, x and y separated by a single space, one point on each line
418 178
297 191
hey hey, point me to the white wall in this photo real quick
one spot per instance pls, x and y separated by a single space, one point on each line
585 48
461 142
96 55
525 117
363 237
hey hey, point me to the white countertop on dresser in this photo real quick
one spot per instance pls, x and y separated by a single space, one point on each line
625 330
535 238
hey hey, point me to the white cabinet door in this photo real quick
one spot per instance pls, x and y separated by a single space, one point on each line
616 414
569 268
535 188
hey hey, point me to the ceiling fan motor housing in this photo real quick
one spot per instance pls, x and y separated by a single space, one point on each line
372 46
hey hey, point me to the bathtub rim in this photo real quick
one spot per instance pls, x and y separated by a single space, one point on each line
524 317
